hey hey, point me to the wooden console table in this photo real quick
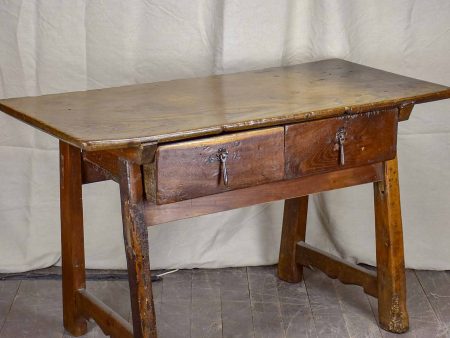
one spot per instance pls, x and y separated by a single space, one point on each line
191 147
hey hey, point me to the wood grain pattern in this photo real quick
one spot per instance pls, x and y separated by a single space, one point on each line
293 231
424 321
436 286
357 311
424 318
189 108
72 238
140 154
36 311
405 110
237 319
157 214
335 267
393 315
313 148
187 170
115 294
8 291
176 305
206 308
93 173
109 321
137 251
325 306
37 305
121 130
266 309
104 162
296 312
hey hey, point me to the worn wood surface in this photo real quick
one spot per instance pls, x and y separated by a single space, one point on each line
157 214
175 315
116 295
8 291
183 109
206 304
266 307
136 250
72 238
313 147
336 267
104 163
107 319
356 310
295 215
321 306
436 285
325 306
140 154
389 251
92 173
191 169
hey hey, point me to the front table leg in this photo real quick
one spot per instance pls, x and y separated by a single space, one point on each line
72 247
391 280
136 248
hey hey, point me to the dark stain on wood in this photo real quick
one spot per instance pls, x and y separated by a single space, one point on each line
293 230
187 170
137 251
313 147
336 267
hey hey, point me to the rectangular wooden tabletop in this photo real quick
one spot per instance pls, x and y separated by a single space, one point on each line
182 109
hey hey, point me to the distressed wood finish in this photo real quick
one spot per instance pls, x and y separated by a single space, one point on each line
389 243
405 110
184 109
136 249
293 231
140 154
313 147
125 134
72 239
306 311
187 170
100 163
157 214
335 267
111 324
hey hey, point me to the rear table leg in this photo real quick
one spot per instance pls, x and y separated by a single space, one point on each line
136 248
391 280
294 230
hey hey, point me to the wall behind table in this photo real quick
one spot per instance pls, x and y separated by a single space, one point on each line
59 46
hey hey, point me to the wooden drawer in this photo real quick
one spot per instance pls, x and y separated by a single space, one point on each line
186 170
313 147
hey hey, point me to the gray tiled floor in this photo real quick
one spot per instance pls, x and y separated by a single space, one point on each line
236 302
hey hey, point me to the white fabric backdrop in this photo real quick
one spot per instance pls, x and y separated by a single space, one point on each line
57 46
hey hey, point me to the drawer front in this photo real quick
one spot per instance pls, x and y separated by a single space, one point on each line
192 169
314 147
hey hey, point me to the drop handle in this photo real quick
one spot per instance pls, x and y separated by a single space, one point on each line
340 137
223 156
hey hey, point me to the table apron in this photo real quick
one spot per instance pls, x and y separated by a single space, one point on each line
157 214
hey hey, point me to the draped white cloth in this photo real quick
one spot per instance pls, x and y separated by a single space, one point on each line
65 45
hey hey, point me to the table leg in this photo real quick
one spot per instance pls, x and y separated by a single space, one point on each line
391 280
136 248
294 230
72 240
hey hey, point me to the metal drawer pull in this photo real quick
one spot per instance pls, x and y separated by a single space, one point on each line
223 156
340 137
